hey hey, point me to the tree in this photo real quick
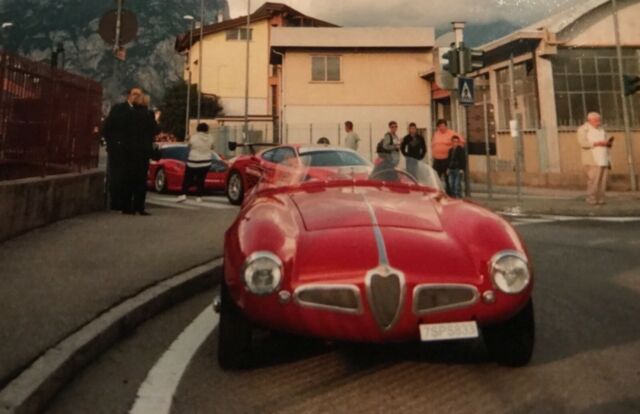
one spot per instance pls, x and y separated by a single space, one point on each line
174 106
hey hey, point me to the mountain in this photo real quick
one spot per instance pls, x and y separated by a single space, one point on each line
151 60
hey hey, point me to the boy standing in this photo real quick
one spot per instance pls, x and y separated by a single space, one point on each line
456 167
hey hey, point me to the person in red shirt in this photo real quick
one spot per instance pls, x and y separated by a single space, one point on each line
440 146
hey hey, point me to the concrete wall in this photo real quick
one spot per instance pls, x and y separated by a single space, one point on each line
34 202
224 70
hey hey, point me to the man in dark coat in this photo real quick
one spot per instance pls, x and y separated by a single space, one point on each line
121 129
138 157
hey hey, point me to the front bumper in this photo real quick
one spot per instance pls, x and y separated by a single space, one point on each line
357 313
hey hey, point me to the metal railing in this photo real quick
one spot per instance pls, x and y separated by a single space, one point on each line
49 119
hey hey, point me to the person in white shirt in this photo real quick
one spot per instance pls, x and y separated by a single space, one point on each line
352 140
201 148
595 148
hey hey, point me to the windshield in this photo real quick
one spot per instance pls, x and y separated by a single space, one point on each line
316 169
331 158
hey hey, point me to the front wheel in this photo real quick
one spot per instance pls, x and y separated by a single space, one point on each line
160 182
235 188
511 343
234 334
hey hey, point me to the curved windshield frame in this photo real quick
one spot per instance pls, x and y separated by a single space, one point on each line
402 175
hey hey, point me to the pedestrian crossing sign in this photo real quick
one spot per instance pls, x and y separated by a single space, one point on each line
466 91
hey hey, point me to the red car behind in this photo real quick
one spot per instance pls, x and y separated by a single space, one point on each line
166 171
246 170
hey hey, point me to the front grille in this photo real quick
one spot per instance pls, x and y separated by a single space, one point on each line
385 298
337 298
437 298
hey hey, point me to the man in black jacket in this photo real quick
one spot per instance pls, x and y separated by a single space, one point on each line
139 151
414 148
457 167
120 129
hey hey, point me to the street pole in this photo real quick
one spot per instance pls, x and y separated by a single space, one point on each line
516 133
200 60
247 75
187 129
628 136
116 45
487 145
461 112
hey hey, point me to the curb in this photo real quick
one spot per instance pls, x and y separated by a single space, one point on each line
37 385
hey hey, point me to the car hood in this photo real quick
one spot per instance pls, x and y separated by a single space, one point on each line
360 207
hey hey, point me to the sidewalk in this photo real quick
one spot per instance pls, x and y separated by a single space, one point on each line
58 278
537 201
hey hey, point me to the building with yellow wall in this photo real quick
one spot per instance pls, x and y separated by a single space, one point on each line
369 76
224 60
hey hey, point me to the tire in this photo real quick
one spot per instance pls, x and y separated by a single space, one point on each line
234 334
235 188
511 343
160 181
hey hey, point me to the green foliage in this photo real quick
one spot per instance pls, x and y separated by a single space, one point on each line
174 107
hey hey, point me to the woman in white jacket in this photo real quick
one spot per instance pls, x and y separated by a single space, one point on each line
199 162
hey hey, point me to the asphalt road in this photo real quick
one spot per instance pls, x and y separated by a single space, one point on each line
587 357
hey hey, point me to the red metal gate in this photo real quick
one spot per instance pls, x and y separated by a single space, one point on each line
48 119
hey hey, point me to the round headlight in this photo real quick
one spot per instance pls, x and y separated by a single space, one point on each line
262 273
510 272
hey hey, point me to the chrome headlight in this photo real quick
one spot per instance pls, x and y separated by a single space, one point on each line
262 273
510 272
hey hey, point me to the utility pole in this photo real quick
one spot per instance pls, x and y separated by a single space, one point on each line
247 75
187 128
116 45
515 126
625 103
461 112
200 60
487 144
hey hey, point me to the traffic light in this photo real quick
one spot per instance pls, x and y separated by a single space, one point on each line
472 60
631 85
451 61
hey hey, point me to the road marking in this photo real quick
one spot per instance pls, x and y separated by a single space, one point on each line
523 221
169 205
155 395
213 203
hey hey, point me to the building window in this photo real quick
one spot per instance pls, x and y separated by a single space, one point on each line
526 96
586 80
239 34
325 68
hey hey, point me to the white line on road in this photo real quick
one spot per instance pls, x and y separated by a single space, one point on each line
217 203
517 221
155 395
169 205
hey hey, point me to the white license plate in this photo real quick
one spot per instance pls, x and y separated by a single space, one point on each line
448 331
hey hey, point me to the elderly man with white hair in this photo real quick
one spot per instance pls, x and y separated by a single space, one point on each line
595 148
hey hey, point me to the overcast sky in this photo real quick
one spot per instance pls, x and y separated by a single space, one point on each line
437 13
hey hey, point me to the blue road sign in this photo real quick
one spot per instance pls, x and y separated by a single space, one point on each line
466 92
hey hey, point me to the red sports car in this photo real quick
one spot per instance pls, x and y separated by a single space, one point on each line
382 258
246 170
166 171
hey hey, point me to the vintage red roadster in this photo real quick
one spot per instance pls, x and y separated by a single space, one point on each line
375 258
